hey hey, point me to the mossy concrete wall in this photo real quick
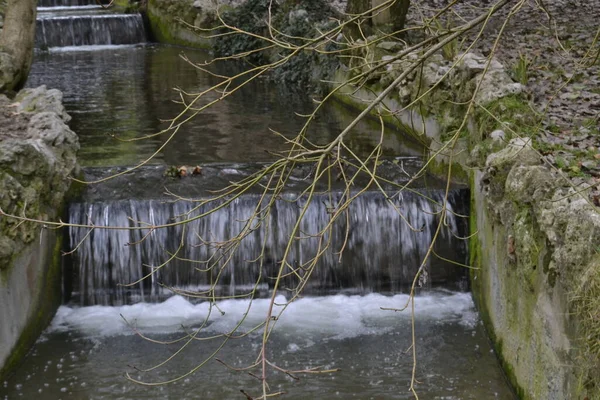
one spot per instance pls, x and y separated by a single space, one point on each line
37 157
30 293
173 21
536 241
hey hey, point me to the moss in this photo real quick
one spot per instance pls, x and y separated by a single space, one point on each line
127 6
510 113
585 301
478 275
458 172
165 25
46 304
165 31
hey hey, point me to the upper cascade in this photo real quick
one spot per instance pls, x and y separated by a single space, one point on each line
67 3
66 23
89 30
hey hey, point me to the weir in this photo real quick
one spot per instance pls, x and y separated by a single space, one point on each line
66 3
82 24
384 244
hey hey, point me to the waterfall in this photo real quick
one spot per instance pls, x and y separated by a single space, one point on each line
88 30
66 23
66 3
381 251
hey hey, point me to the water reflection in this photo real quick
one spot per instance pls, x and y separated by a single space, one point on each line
128 91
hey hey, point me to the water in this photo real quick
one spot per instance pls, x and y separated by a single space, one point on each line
84 30
382 251
127 91
87 351
67 3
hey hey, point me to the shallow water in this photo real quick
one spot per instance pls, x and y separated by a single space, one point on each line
86 351
127 90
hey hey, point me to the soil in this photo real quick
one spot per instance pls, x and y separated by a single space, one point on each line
556 43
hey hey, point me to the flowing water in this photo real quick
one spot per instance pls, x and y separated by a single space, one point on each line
87 351
98 335
127 92
88 30
404 229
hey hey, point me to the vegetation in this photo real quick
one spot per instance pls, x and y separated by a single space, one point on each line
291 40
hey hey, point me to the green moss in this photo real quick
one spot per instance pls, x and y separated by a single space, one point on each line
166 27
585 301
458 172
165 31
510 113
127 6
479 288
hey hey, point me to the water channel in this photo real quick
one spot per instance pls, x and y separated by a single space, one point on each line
96 336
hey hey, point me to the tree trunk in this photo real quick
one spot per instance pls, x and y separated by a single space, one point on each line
398 14
394 16
16 41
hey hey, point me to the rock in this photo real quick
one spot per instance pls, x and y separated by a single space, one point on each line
37 157
297 16
472 64
529 183
41 99
8 71
498 135
392 47
494 85
519 151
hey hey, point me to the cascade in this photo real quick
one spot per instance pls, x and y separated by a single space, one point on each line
66 3
381 251
63 23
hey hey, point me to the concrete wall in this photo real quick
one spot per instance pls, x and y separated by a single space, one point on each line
37 157
30 293
534 248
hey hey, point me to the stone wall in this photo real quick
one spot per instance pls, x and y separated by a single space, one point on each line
536 243
176 21
37 157
536 248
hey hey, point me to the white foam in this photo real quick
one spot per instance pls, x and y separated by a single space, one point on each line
70 8
337 317
95 47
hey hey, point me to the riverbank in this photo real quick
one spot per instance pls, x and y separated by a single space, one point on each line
37 159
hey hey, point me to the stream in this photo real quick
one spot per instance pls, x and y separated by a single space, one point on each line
104 331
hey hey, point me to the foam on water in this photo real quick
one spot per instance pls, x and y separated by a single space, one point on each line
337 316
97 47
69 8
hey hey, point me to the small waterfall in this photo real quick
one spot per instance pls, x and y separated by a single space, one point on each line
67 3
89 30
381 251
